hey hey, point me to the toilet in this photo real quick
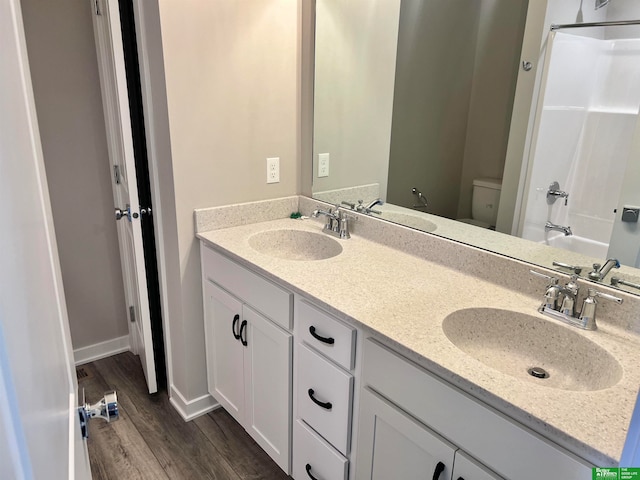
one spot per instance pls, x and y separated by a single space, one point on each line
484 203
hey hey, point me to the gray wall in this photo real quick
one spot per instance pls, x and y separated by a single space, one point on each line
452 126
430 111
501 27
66 85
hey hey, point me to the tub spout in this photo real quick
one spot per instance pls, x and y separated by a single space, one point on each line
560 228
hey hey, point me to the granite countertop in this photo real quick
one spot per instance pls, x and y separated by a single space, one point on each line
403 299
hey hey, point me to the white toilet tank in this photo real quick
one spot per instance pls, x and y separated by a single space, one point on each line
485 200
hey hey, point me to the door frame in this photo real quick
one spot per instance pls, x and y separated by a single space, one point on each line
156 123
143 16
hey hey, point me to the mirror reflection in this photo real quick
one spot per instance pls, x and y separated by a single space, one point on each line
413 111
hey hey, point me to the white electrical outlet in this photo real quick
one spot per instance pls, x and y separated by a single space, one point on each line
273 170
323 165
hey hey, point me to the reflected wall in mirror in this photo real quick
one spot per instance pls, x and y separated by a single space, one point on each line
416 97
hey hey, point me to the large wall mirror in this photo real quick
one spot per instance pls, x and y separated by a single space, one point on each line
435 115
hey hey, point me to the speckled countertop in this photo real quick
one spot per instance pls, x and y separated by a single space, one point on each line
404 299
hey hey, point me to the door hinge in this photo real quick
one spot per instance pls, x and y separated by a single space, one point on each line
97 5
117 177
132 314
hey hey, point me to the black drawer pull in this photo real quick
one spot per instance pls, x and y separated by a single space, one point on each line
439 469
312 331
308 469
236 317
325 405
243 325
460 478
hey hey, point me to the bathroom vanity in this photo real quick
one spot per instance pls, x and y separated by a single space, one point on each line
340 367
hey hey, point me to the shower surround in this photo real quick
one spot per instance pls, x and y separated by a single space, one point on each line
582 139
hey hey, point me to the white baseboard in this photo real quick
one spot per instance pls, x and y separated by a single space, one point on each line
190 409
101 350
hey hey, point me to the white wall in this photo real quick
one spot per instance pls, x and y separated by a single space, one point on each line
66 85
232 85
355 61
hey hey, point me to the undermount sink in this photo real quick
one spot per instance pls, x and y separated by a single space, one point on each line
295 245
413 221
532 349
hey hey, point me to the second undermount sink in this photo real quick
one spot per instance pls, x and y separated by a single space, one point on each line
295 245
533 349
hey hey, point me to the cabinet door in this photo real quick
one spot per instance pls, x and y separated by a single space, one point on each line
268 364
466 468
224 352
391 444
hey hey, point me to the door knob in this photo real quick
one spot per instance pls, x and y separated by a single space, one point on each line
123 212
106 408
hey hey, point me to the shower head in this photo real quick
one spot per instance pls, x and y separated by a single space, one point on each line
601 3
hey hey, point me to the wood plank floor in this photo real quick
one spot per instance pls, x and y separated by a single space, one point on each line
152 441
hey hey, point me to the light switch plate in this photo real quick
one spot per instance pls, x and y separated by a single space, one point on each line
323 165
273 170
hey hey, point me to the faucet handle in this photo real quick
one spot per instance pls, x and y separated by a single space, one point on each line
607 296
588 312
352 206
576 269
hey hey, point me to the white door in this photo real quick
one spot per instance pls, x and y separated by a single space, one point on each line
466 468
394 445
106 24
225 364
39 425
267 391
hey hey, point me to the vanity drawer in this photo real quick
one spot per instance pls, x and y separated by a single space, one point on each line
264 296
324 397
312 455
326 334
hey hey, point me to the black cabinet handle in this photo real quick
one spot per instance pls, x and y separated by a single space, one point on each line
460 478
325 405
312 331
439 469
236 317
243 325
308 469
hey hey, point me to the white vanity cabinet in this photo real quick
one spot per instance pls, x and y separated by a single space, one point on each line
249 356
394 445
407 415
324 392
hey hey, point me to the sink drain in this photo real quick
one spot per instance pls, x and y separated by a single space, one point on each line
538 372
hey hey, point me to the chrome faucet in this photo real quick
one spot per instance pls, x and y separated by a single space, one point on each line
588 312
560 302
337 222
421 197
554 192
367 209
599 272
615 281
370 205
560 228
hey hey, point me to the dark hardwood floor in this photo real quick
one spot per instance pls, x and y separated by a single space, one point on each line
152 441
